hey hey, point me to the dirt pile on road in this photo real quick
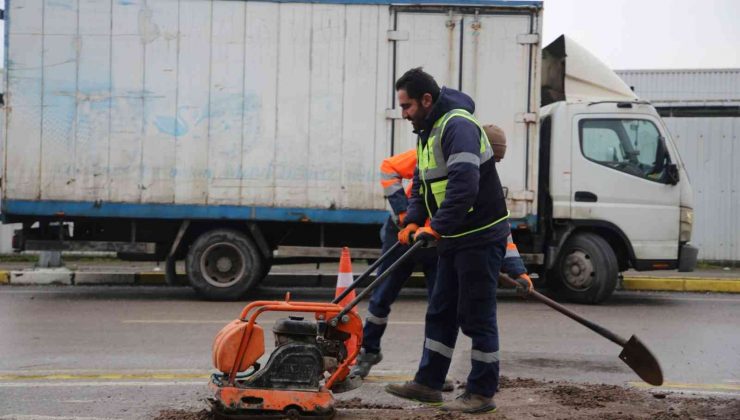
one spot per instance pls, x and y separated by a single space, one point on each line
521 398
184 415
506 382
357 403
590 397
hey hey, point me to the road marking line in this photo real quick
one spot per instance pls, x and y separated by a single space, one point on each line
26 292
641 385
97 383
144 376
34 417
688 386
186 379
104 376
181 321
74 383
388 378
724 394
224 322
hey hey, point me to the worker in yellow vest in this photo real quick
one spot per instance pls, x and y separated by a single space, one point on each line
457 186
394 170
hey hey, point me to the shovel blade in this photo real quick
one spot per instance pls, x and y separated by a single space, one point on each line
637 356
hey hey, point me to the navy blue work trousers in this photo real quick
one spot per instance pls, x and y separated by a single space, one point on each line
386 293
464 297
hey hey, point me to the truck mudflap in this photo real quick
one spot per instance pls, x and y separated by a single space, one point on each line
687 256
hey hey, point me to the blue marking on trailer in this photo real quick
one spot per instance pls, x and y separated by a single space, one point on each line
56 208
189 211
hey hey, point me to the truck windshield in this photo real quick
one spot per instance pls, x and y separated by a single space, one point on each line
628 145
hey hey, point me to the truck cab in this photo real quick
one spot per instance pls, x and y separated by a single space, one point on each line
614 192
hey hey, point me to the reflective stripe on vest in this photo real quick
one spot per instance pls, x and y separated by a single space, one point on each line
433 168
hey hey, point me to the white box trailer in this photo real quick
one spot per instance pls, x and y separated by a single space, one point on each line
155 125
237 134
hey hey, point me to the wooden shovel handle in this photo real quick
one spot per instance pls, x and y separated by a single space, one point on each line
567 312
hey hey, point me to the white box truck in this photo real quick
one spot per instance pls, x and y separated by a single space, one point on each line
239 134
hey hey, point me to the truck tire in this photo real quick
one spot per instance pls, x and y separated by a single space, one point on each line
587 270
266 267
224 264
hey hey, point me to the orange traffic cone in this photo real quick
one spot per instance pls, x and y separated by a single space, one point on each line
344 280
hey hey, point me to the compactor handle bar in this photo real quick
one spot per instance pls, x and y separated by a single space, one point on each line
406 255
367 272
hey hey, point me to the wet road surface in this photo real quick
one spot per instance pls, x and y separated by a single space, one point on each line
128 352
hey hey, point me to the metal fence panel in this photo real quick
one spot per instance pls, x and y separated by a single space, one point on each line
710 149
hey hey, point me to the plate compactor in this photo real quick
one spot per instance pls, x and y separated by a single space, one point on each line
310 361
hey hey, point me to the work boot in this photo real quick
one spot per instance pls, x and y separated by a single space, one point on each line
448 386
347 384
471 404
416 392
365 361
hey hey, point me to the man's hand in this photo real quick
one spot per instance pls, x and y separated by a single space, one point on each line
404 236
524 284
400 218
426 234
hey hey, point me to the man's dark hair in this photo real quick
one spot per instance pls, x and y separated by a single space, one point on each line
416 82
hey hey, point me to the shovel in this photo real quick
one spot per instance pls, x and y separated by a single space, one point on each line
634 353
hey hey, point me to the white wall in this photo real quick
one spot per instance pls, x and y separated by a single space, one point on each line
710 148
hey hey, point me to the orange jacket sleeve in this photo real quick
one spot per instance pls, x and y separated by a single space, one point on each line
393 171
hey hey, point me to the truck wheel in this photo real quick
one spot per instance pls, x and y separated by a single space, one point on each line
587 270
224 264
266 267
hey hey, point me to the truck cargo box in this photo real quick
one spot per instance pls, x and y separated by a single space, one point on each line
247 109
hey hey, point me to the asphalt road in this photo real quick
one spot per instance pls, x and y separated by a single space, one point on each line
128 352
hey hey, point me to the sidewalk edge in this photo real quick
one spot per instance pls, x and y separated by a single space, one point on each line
682 284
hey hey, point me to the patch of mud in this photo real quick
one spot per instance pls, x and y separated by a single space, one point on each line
593 396
529 399
695 408
416 413
357 403
184 415
576 364
439 416
672 415
506 382
616 416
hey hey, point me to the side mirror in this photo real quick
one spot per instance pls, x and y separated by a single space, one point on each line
672 174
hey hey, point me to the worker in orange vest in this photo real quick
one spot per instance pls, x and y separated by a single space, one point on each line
394 170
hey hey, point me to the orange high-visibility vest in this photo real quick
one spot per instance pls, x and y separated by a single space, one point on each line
395 169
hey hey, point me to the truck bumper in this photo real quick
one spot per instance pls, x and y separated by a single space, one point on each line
687 256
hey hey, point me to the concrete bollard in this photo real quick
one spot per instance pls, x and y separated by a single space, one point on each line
50 259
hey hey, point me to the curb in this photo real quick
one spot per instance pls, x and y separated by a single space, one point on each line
83 278
60 277
682 284
91 279
149 278
156 278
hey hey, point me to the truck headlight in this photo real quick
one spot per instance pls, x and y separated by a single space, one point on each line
687 222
